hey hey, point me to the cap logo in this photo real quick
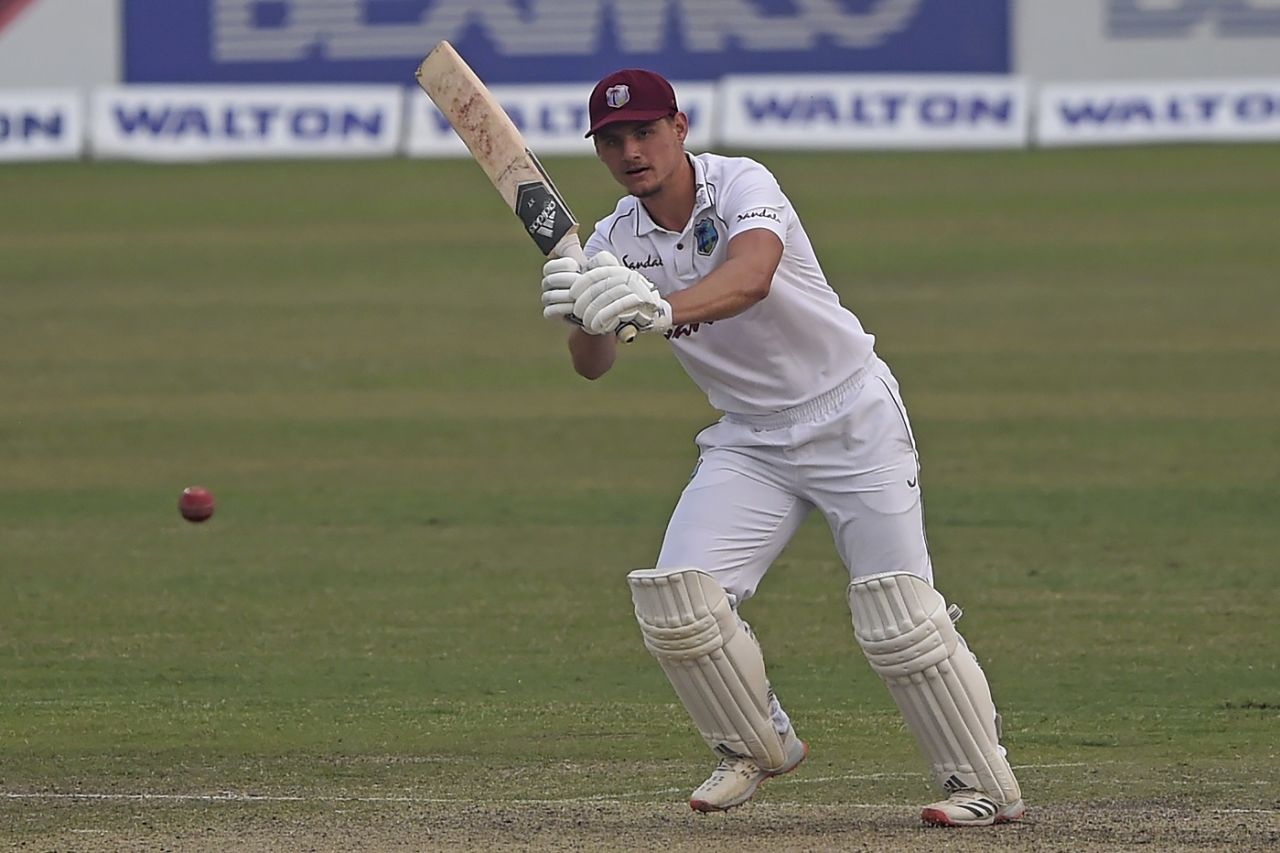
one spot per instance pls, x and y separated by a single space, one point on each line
617 96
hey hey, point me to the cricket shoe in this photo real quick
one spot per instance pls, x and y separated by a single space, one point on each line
970 808
734 781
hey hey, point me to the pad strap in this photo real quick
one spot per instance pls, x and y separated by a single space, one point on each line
903 626
711 660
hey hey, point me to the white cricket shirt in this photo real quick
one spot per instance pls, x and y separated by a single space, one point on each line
796 343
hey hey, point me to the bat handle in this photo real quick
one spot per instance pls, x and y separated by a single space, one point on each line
571 248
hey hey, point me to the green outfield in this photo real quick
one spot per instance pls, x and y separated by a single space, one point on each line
411 595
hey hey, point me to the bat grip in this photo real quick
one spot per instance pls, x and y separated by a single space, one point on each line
571 248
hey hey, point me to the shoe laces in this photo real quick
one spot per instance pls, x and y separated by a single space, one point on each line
731 766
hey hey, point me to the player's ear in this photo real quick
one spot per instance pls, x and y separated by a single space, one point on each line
681 123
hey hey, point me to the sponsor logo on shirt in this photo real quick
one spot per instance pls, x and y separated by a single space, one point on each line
649 261
685 329
700 196
762 213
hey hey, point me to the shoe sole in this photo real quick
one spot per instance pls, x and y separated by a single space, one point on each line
704 807
937 817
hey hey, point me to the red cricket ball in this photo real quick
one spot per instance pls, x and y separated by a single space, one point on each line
196 504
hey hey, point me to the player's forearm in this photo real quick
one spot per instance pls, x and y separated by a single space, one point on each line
592 355
732 288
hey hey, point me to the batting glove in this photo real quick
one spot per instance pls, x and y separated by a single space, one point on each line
608 296
558 278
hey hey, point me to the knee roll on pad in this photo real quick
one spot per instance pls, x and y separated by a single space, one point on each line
903 627
712 661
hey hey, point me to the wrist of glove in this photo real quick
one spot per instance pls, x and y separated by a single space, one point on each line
609 295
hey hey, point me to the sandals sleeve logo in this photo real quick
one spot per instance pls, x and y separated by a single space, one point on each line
759 213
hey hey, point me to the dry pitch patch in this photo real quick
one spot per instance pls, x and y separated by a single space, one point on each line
670 827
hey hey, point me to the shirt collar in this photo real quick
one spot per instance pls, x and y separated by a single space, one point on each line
701 199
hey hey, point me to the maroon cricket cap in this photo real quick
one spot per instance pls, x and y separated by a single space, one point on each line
632 94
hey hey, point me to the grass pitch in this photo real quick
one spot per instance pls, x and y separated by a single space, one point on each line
411 598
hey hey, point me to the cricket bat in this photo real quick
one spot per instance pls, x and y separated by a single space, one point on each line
498 146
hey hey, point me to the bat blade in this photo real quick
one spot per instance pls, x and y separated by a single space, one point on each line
499 148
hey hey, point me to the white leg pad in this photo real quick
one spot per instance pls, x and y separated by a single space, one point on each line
712 661
902 625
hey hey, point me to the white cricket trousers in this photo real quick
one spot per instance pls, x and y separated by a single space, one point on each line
848 453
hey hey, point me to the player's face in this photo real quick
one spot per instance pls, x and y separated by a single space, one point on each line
643 156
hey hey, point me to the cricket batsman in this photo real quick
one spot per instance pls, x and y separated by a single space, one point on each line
708 252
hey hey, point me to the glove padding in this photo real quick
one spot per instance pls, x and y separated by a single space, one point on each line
609 295
558 276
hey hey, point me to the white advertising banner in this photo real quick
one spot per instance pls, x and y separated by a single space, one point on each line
59 43
41 124
843 112
1168 111
236 122
552 118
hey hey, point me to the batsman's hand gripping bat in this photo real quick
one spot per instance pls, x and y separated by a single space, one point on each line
497 145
